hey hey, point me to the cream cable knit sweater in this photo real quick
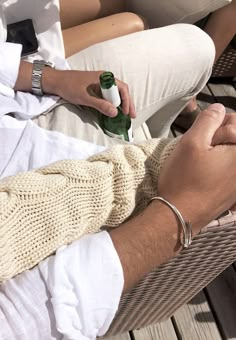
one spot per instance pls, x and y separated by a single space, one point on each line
44 209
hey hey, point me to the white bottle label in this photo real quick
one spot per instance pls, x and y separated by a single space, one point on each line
113 135
130 134
112 95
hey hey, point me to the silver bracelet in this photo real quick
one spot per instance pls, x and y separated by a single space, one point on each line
186 226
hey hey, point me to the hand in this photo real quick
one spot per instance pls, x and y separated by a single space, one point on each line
82 87
199 176
226 134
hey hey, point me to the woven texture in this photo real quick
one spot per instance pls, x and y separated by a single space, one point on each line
163 291
226 65
53 206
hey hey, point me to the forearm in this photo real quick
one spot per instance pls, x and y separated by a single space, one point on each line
81 196
147 241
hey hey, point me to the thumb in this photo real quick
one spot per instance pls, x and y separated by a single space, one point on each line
103 106
206 124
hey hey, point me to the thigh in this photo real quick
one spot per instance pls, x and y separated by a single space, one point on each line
76 12
162 12
76 122
160 66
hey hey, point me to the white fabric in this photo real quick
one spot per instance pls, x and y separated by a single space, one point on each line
26 312
46 20
84 308
167 12
25 146
80 280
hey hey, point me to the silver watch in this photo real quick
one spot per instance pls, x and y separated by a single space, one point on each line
38 66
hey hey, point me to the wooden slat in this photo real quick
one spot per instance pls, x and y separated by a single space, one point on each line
225 94
195 321
124 336
161 331
222 295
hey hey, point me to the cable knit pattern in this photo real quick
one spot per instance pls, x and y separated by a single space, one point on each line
44 209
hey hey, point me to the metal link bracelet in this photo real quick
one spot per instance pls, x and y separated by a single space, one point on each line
186 226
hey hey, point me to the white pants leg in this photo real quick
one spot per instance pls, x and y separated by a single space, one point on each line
163 67
166 12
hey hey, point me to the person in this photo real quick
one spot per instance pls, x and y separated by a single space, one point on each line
221 26
142 243
78 26
138 62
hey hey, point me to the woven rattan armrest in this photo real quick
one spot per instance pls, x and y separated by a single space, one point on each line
226 65
164 290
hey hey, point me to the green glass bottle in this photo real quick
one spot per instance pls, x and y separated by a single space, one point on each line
119 126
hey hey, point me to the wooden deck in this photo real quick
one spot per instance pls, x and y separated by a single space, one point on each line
211 315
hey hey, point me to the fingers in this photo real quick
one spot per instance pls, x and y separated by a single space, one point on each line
127 102
206 124
107 108
102 106
226 134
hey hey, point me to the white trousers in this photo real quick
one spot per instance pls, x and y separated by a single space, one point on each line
164 68
166 12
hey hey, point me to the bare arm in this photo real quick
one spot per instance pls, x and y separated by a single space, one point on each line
146 241
24 80
77 87
200 192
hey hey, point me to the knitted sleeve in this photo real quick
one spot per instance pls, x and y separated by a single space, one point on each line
44 209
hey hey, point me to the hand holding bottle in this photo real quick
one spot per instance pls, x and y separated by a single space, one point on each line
82 88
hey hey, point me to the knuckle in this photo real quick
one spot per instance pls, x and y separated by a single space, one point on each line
230 131
189 145
125 86
211 114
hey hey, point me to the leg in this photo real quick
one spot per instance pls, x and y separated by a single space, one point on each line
222 27
160 79
76 122
162 13
76 12
82 36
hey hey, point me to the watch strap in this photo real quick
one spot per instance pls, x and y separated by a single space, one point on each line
37 71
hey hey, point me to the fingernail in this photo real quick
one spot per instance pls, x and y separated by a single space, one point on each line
217 107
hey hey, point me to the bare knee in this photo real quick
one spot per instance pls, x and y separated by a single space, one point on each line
134 22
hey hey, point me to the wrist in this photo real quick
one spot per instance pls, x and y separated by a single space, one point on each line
167 220
51 81
189 212
24 79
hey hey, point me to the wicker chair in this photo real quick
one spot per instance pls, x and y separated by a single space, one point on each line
164 290
226 65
